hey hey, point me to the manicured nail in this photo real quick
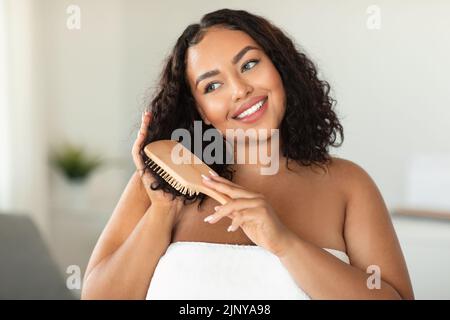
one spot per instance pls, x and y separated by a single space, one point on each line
217 208
213 173
206 178
208 218
230 228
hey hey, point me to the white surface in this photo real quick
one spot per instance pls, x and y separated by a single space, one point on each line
426 247
24 152
428 182
5 140
200 271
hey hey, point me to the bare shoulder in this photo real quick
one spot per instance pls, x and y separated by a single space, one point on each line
344 168
363 197
350 177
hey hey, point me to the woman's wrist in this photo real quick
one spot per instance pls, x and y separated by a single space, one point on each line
159 223
164 206
288 244
164 213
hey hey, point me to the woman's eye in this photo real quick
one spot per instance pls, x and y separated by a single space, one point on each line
214 85
211 86
249 65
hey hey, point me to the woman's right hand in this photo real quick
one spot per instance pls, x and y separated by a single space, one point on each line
158 198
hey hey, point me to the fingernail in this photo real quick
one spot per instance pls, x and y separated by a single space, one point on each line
208 218
230 228
206 178
213 173
217 208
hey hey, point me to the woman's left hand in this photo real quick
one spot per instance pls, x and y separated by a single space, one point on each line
251 212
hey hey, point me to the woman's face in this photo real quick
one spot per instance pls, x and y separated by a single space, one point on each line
229 74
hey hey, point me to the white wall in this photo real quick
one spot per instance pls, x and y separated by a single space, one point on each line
5 192
23 148
84 89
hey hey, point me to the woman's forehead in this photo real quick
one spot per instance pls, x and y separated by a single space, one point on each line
218 46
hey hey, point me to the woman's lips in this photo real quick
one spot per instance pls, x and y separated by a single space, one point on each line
256 115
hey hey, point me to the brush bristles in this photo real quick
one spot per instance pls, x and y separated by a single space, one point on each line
174 183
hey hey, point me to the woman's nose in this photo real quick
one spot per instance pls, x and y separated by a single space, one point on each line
241 89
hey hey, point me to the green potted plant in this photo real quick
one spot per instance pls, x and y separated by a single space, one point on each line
76 165
74 162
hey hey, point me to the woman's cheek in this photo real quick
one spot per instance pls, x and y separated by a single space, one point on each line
215 112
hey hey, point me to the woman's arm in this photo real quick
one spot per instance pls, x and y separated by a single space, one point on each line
136 236
371 241
132 205
129 247
127 272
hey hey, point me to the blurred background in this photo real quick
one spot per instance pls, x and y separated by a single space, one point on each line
75 76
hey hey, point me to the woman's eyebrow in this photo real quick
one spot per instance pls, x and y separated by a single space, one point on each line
235 60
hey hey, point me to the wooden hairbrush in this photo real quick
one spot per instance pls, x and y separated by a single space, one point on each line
184 177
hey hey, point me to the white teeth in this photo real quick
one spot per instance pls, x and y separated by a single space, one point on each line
251 110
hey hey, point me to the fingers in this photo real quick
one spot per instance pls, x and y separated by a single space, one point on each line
238 219
230 190
147 179
232 208
140 139
235 223
249 215
146 118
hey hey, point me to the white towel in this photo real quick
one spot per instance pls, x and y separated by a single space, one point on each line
216 271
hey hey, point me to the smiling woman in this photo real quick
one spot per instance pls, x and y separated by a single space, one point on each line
298 234
235 70
246 84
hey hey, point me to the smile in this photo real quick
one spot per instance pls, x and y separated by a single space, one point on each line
253 113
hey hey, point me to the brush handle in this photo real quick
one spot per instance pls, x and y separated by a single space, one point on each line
220 197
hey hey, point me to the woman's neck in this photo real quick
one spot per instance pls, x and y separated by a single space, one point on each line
257 158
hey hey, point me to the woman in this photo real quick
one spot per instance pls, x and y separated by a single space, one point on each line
318 228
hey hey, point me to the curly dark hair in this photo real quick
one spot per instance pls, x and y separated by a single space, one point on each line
310 125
